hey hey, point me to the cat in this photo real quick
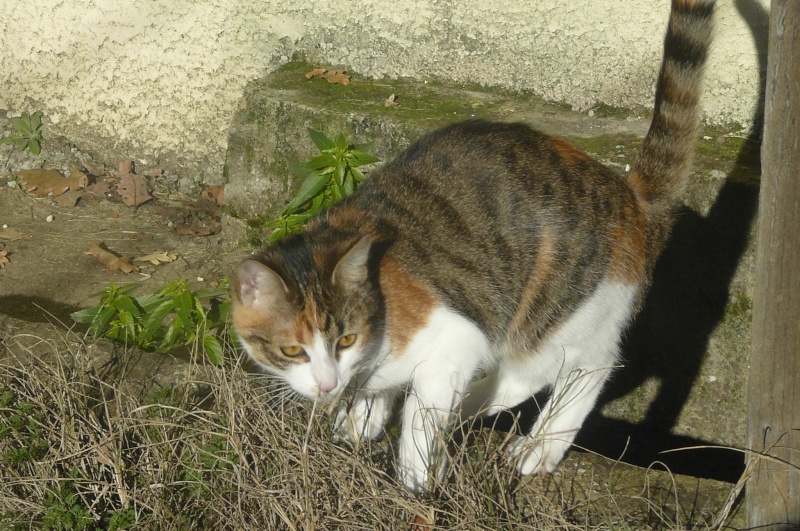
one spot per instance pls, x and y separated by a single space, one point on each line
486 263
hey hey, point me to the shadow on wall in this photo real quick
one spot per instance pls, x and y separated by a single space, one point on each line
687 301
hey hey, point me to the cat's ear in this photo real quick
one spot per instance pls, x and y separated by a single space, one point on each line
258 286
352 267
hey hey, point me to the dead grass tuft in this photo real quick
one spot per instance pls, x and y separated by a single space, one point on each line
220 451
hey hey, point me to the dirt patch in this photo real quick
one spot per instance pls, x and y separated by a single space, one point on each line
49 273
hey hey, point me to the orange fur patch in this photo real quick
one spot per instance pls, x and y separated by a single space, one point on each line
409 303
628 251
306 321
638 183
542 269
568 153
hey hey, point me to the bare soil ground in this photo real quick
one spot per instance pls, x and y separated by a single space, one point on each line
128 439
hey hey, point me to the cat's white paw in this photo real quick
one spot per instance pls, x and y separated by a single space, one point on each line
416 473
537 456
364 419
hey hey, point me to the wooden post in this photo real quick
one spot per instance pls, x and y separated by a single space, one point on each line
773 427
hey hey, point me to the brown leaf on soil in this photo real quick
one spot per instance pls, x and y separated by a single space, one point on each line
133 189
126 166
4 259
96 169
111 261
391 101
207 206
337 76
46 182
99 189
332 76
11 235
196 226
315 73
69 199
157 258
170 212
215 194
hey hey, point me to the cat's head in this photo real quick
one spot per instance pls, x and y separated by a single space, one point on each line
310 312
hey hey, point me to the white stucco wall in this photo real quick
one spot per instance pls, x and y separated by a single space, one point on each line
160 79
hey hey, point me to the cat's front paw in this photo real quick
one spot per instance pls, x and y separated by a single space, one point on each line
363 419
533 455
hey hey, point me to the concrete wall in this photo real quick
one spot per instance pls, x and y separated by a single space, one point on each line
159 80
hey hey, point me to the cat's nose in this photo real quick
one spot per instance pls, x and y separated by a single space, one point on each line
327 387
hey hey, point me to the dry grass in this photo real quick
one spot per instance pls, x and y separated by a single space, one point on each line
219 451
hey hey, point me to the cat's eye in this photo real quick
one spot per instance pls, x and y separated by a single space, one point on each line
292 351
346 341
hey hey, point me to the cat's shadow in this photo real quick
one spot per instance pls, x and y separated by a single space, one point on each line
669 339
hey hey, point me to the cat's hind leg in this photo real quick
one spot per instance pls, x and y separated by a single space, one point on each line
585 349
573 398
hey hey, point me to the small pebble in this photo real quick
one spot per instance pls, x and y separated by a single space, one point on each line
5 225
49 218
591 112
200 279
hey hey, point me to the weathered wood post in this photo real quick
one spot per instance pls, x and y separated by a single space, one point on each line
773 490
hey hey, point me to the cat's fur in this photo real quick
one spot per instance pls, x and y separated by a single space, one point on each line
485 249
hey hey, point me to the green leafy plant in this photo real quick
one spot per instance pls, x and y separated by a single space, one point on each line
172 317
329 177
21 429
176 316
65 509
29 133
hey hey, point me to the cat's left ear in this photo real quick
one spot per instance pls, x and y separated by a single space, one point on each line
352 267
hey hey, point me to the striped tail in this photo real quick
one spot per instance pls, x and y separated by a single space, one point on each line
661 172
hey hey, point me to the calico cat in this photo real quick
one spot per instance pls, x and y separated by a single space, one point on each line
488 262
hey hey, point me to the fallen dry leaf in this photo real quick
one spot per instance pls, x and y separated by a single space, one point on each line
315 73
332 76
196 226
157 258
4 259
133 189
96 169
11 235
126 166
391 101
337 76
171 212
111 261
215 194
51 182
98 189
69 199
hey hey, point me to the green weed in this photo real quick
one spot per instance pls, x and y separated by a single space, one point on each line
173 317
329 177
29 133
